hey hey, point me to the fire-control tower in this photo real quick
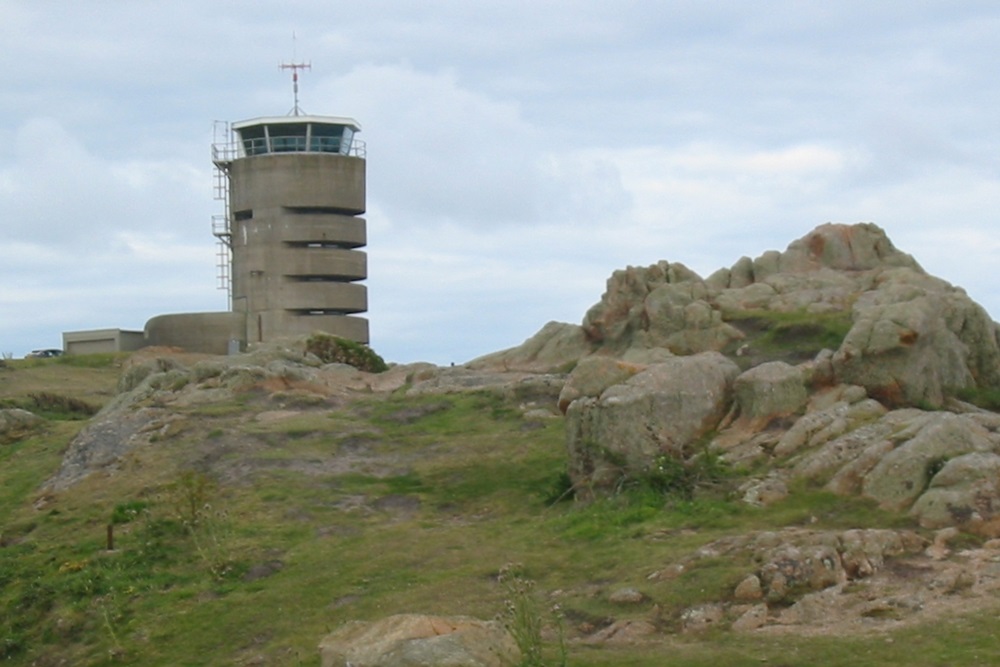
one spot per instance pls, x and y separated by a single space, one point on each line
293 188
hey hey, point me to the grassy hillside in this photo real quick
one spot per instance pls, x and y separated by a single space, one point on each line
254 524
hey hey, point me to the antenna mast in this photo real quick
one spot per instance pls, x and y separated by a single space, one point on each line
295 67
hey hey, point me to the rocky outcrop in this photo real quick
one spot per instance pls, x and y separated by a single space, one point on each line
664 305
853 417
846 582
913 340
898 461
415 640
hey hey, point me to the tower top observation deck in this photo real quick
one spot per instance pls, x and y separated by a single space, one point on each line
271 135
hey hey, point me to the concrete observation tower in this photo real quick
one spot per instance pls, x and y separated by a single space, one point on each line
294 191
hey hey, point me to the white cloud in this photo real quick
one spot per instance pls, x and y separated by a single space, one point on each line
518 152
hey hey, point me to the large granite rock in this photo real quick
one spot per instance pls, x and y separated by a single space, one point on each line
917 340
660 411
771 390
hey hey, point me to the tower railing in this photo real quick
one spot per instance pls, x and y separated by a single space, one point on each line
231 148
222 155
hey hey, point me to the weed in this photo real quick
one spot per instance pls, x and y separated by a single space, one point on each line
190 496
523 618
673 476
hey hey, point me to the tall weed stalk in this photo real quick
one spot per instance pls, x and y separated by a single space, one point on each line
524 619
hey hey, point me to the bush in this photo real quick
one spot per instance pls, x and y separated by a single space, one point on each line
335 350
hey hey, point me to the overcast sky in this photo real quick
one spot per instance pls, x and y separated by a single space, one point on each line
518 152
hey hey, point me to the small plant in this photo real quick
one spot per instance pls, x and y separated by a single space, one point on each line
674 476
561 490
128 511
191 495
523 619
335 350
192 498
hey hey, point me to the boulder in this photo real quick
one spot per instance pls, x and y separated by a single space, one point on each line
661 411
16 424
415 640
965 491
916 340
769 391
592 376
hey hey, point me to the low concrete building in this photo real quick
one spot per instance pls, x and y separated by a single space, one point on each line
102 340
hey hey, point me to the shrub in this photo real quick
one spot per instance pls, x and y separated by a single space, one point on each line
335 350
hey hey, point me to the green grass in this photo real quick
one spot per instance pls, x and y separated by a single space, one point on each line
791 336
384 506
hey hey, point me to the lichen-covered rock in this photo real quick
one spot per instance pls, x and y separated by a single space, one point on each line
768 391
416 640
917 340
592 376
965 491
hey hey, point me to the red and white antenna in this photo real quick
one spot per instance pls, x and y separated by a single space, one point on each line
295 67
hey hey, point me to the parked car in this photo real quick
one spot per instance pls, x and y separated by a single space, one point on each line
43 354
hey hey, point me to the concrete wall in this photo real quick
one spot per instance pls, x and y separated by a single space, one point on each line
295 234
323 180
208 333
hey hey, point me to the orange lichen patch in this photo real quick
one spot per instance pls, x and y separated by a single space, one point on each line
890 394
630 368
908 337
817 243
